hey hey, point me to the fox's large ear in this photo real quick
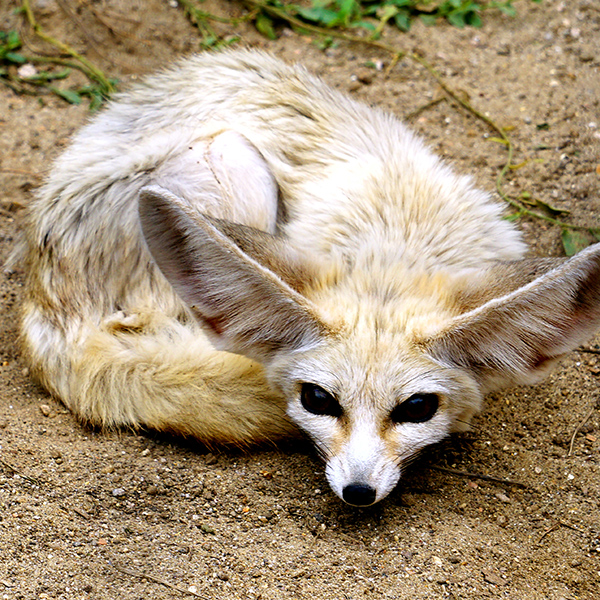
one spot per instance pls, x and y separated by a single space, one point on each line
517 337
244 305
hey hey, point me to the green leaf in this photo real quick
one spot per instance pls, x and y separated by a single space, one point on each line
474 20
553 210
347 10
573 241
364 24
15 57
320 15
429 20
49 76
69 95
595 233
457 19
514 217
13 41
507 9
402 20
264 25
96 101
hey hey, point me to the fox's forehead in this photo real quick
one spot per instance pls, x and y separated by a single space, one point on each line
395 308
363 361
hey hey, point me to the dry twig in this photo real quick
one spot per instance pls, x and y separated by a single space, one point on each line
19 473
490 478
154 579
556 526
578 429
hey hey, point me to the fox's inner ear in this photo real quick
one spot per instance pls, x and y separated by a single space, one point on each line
517 337
502 278
245 307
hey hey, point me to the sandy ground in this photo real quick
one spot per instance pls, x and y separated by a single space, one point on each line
86 514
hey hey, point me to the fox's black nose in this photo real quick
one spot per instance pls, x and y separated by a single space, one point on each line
359 494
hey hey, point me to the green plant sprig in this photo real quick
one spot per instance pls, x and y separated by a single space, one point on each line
401 13
93 73
201 20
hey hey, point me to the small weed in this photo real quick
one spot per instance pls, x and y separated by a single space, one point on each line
373 15
201 19
22 74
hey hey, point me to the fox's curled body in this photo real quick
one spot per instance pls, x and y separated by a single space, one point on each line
232 230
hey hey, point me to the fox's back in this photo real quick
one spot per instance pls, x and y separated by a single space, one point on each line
352 179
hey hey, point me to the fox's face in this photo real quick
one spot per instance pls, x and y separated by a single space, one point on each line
373 370
370 399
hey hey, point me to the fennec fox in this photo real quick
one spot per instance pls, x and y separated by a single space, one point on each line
232 250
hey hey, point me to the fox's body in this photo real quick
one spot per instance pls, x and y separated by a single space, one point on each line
371 282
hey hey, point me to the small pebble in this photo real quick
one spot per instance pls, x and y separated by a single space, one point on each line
297 573
117 492
210 459
493 578
45 410
206 528
26 71
365 76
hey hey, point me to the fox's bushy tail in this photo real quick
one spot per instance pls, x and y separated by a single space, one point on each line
154 371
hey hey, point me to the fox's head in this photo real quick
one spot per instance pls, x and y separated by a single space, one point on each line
375 364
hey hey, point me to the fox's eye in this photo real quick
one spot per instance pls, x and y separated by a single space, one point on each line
417 409
319 402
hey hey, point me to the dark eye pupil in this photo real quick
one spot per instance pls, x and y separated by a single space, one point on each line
417 409
318 401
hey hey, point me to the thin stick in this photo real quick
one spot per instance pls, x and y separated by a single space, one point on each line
20 172
480 476
588 350
154 579
19 473
413 113
578 429
556 526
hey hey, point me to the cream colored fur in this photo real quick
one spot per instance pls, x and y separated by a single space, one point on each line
232 229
